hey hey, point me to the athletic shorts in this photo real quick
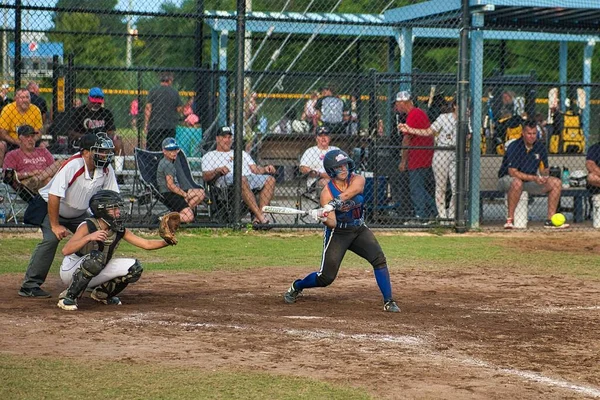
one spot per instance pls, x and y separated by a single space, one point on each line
256 182
174 201
529 187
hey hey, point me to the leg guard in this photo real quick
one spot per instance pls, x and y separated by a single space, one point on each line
106 292
90 267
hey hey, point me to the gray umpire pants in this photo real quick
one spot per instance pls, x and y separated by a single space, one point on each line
43 254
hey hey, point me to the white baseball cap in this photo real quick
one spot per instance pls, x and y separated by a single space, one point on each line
403 96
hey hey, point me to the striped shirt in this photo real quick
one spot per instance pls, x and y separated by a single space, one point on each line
75 187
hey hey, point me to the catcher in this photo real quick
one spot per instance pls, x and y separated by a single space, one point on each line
89 253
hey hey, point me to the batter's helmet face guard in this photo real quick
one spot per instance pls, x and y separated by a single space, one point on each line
102 202
337 158
103 150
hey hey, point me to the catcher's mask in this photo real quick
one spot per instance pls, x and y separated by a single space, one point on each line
101 146
334 159
104 201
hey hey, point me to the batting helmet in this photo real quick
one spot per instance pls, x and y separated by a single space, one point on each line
103 201
334 159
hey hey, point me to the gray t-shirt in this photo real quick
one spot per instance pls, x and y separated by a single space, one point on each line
164 100
166 167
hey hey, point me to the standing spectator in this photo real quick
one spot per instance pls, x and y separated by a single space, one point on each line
133 112
416 160
38 101
353 117
190 118
93 117
332 111
251 108
444 161
217 167
179 194
33 166
20 112
310 114
161 114
525 167
63 204
311 163
399 180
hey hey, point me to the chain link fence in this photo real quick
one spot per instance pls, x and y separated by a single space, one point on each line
301 77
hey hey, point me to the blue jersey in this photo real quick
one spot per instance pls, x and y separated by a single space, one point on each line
353 209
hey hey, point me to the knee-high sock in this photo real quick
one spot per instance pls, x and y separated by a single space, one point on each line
382 276
309 281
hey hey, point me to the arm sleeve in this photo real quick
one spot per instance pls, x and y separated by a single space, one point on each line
248 159
49 158
11 161
60 182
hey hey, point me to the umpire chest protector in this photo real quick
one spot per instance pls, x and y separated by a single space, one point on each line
108 247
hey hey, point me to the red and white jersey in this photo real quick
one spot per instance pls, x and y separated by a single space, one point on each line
75 186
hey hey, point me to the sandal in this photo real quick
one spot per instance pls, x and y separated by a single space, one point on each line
260 226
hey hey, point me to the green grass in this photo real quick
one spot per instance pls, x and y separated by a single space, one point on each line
66 379
199 251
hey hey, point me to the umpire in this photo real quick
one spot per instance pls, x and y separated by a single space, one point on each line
62 204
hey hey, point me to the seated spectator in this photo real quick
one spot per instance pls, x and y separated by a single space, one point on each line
332 111
217 167
178 193
34 166
525 167
592 164
311 163
20 112
94 117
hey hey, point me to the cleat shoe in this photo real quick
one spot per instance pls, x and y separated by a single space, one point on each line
101 297
509 224
68 304
291 294
34 292
391 306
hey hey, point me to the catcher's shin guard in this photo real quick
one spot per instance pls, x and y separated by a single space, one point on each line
106 292
90 267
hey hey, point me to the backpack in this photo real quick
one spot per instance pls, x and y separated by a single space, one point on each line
508 130
570 138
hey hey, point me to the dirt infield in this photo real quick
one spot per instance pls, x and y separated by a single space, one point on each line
462 334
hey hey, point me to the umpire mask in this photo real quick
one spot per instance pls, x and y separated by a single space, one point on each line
103 150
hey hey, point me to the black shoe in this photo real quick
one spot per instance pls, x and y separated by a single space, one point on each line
33 292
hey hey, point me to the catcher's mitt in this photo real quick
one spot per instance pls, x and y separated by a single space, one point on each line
168 225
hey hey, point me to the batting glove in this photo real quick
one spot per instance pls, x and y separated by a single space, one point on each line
320 214
336 203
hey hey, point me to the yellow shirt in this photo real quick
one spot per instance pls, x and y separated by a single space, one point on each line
11 119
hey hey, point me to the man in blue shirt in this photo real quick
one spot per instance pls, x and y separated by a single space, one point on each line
525 167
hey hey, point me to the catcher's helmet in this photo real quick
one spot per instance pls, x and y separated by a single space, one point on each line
103 201
101 146
334 159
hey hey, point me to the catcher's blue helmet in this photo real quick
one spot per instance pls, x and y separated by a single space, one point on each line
334 159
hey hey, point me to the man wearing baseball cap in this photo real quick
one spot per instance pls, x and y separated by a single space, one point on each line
217 168
311 163
20 112
179 193
33 166
93 117
417 160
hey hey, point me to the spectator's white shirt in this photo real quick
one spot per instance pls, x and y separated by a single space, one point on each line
445 126
75 187
313 159
216 159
